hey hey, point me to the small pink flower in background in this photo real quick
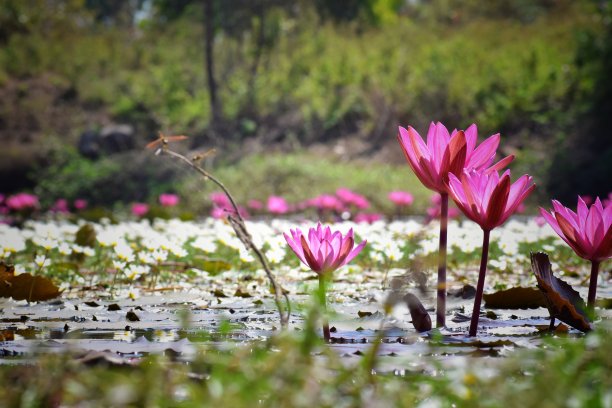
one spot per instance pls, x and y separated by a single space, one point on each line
140 209
80 204
587 231
217 212
169 200
255 205
60 206
322 250
220 213
277 205
368 218
22 201
540 221
433 213
220 200
401 198
326 202
486 198
350 198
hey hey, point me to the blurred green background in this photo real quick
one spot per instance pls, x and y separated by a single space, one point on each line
298 97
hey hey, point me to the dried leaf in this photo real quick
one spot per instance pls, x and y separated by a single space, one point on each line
363 314
420 318
25 286
132 317
515 298
563 302
241 294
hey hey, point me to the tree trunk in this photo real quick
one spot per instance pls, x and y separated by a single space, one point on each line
209 28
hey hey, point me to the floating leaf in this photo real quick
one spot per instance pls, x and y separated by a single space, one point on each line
420 318
563 302
515 298
25 286
212 266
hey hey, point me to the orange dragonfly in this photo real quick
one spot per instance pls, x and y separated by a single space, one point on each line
163 140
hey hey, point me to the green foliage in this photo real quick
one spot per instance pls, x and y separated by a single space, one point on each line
526 69
125 177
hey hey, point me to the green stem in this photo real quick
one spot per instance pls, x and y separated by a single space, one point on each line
323 303
593 285
480 286
441 304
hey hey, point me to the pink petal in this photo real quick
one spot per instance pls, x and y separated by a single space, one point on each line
483 153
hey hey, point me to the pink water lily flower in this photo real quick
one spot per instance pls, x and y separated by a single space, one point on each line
488 199
401 198
168 200
446 153
587 231
277 205
322 250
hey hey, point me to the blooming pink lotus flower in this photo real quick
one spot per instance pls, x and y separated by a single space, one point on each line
447 153
401 198
140 209
432 162
587 231
80 204
168 200
487 199
277 205
322 250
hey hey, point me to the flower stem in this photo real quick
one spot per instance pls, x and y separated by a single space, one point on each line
441 305
480 286
593 285
323 303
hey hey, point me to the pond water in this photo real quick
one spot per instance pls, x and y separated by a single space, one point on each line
176 322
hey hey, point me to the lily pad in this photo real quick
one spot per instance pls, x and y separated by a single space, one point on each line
515 298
